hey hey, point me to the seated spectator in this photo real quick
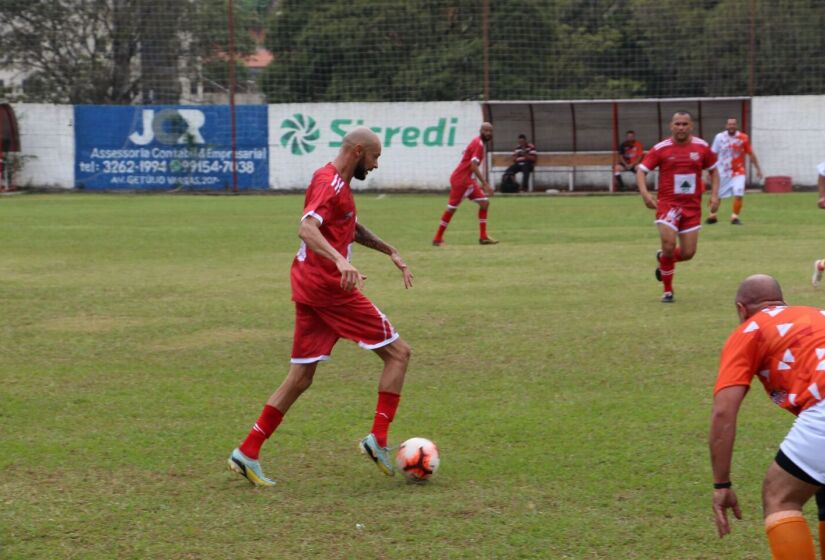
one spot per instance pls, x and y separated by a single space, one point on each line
524 157
630 155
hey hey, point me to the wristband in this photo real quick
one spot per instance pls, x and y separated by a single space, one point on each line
721 485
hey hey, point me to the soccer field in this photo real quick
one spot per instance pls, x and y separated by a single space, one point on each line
142 334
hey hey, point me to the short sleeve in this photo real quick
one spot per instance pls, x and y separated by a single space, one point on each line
748 148
651 160
821 168
320 199
717 144
709 160
740 358
477 153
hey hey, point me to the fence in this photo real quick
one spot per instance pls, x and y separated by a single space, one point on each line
174 55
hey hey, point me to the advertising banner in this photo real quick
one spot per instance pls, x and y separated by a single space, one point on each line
163 147
421 142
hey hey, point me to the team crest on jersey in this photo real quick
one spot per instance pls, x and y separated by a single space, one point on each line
694 156
779 397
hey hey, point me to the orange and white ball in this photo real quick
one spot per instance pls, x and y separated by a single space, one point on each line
417 459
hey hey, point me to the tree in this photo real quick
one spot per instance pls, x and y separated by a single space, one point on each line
115 51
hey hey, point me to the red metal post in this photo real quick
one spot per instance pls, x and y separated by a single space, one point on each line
752 49
615 136
231 30
485 37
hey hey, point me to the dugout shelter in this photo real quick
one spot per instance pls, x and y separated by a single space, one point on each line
577 141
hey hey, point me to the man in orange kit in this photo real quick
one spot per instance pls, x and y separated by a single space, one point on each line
784 347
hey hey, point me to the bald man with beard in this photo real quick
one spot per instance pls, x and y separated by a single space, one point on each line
463 185
784 347
329 305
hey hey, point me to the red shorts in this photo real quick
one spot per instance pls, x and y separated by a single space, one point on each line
462 190
317 329
679 218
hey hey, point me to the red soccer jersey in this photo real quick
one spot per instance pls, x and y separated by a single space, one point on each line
474 152
680 170
731 151
315 279
785 346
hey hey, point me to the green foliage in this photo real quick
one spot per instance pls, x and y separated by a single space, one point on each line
419 50
112 51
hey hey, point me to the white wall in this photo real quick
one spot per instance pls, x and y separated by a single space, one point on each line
47 143
788 134
422 142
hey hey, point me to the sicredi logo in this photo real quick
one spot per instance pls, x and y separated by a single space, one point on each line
170 126
301 133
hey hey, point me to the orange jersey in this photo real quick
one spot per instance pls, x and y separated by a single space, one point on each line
785 348
731 151
631 151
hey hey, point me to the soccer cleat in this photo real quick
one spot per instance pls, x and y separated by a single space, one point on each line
816 279
736 222
379 455
711 220
248 468
667 297
487 241
658 271
437 242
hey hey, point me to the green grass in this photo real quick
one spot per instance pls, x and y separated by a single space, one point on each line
142 334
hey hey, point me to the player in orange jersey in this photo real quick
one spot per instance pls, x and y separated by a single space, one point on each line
783 347
681 160
463 185
731 146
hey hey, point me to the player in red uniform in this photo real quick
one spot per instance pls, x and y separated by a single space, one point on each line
680 159
462 185
784 347
329 305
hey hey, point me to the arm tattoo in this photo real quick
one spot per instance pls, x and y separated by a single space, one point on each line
367 238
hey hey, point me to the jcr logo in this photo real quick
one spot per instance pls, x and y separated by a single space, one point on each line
170 126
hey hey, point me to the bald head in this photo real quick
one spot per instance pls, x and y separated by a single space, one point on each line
757 292
486 131
361 136
358 154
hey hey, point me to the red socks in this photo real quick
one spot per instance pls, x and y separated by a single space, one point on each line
384 413
482 223
667 266
260 432
445 221
271 417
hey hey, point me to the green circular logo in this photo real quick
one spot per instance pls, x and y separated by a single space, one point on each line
301 134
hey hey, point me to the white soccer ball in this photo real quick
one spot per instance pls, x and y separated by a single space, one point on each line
417 459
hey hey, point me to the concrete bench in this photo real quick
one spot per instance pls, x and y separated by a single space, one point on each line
559 162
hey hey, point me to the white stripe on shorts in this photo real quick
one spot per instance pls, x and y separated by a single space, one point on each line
321 358
390 340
